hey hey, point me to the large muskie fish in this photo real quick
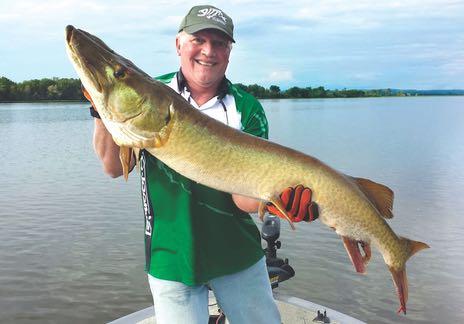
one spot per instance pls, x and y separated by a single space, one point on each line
141 113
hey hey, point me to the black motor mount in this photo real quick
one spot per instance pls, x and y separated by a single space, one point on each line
279 270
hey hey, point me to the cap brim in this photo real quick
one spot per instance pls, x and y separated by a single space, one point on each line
196 28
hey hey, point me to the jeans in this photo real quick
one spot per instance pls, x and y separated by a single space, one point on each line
244 297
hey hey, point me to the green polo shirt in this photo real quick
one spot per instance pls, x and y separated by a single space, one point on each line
194 233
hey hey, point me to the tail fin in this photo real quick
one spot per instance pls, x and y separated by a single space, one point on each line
399 275
413 246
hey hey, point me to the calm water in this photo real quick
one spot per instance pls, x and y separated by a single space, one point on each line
71 239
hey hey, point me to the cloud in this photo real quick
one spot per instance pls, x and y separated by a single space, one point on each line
280 75
31 18
331 42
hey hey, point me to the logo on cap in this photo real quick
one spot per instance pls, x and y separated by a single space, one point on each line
213 14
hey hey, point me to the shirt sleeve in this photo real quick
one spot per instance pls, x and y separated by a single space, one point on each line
256 124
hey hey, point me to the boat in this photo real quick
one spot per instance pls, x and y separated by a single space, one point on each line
293 310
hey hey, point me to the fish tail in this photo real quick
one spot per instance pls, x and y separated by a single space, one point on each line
399 275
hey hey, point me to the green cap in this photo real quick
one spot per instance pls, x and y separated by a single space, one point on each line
207 17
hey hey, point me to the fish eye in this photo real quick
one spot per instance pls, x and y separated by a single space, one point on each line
119 73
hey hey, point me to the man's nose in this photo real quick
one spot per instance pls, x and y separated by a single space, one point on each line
208 49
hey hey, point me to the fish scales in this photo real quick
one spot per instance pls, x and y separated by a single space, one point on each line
205 151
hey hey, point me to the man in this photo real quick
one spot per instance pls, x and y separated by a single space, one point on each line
195 236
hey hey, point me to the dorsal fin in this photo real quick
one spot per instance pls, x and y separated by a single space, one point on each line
381 196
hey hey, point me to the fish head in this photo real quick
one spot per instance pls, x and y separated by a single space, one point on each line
126 97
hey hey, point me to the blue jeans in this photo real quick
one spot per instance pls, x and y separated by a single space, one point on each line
245 297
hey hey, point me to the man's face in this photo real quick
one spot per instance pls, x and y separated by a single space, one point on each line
204 57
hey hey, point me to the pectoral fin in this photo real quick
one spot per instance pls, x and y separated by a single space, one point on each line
163 135
277 202
125 155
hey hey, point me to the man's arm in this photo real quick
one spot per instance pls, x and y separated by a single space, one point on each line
247 204
106 150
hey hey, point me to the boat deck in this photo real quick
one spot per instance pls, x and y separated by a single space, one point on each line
293 310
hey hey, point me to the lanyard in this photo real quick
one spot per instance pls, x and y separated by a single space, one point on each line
222 104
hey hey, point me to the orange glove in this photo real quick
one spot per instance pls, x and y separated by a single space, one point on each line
298 204
86 94
93 111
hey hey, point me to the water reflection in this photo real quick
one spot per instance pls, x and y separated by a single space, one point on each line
72 238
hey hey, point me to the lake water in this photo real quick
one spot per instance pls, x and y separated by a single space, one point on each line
71 238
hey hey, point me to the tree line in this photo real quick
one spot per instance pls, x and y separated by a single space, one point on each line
43 89
70 89
274 92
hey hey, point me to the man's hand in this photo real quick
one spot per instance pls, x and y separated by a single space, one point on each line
298 204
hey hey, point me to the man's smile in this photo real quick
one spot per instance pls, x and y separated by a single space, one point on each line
205 63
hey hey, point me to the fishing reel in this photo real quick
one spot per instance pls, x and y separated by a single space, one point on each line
279 270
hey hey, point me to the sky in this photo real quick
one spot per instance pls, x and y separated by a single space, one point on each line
408 44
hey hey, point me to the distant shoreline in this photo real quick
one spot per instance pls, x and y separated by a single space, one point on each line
69 90
86 102
45 101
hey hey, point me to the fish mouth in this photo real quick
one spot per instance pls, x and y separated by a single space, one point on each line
87 69
69 30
